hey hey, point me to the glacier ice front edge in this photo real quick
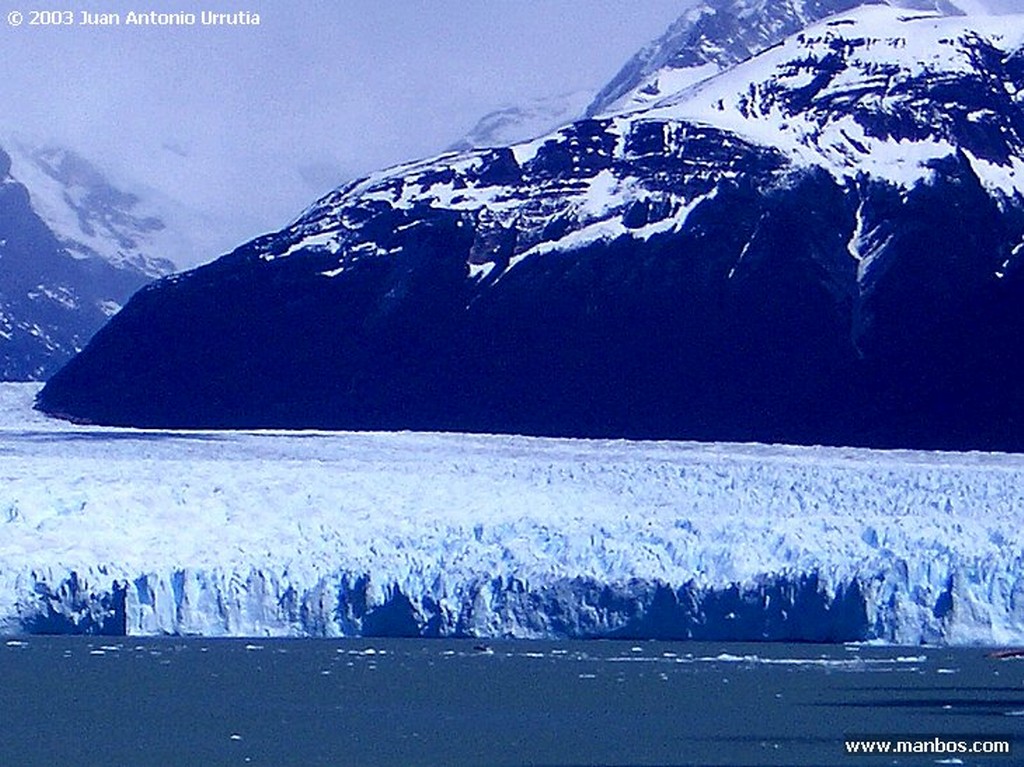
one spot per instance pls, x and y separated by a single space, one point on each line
116 531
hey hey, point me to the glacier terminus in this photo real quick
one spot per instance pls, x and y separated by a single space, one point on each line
272 533
735 356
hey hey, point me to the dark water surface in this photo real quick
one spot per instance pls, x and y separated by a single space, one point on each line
135 702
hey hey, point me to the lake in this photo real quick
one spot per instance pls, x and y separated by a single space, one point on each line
194 701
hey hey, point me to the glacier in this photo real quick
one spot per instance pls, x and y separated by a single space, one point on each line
328 534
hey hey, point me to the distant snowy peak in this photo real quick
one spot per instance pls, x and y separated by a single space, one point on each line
704 41
513 124
73 249
90 216
716 35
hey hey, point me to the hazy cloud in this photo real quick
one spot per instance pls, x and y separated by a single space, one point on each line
239 128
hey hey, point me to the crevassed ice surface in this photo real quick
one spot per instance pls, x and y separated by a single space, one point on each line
317 534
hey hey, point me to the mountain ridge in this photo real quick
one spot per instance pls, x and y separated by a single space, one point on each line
725 265
717 34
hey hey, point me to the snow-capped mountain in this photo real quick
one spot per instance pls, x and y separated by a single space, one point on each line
522 122
73 248
89 215
819 244
714 36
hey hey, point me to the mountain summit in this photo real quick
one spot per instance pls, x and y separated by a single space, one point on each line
716 35
819 244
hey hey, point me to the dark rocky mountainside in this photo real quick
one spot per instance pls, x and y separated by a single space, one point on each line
818 245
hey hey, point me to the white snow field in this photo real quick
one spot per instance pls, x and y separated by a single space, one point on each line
336 534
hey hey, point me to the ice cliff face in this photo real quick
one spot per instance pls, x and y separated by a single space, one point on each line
312 534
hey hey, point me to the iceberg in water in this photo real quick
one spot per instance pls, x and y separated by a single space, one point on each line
343 534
